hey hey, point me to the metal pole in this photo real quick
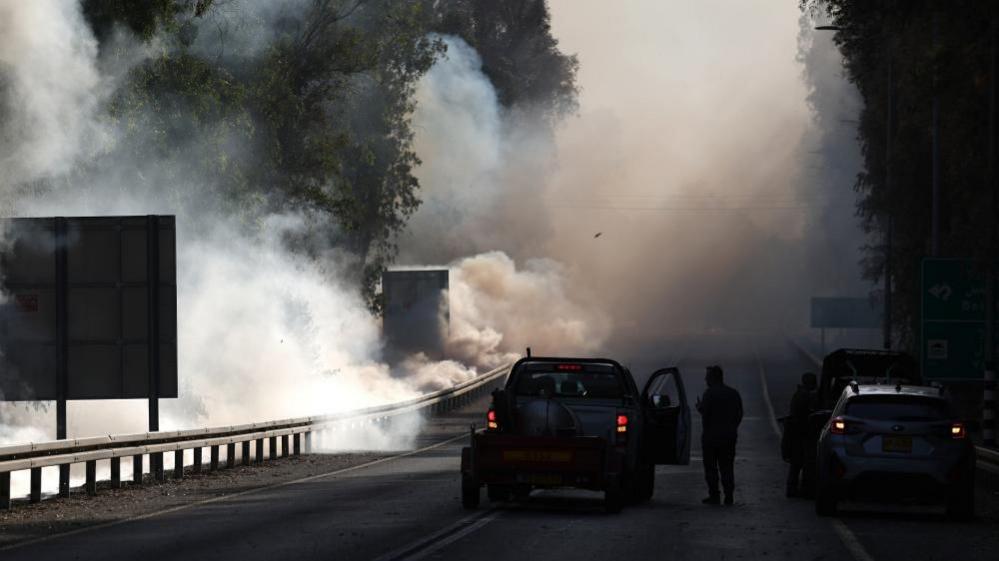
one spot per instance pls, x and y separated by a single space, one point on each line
889 220
62 342
989 378
153 307
935 232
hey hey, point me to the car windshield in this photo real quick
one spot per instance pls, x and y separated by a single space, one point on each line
898 408
582 381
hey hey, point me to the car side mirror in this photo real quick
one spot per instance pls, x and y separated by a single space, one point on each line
659 401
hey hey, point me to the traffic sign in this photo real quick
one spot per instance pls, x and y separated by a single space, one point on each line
953 326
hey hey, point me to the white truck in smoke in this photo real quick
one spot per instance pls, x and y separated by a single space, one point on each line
570 422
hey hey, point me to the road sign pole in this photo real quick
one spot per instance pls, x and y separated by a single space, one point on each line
62 342
989 406
153 306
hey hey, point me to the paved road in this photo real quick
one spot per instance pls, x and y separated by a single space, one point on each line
408 508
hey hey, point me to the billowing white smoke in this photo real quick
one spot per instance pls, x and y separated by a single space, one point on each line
482 170
498 310
49 89
263 333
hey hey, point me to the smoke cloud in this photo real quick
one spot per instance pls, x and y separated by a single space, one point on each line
705 183
264 333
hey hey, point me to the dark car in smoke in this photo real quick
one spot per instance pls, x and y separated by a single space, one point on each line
581 423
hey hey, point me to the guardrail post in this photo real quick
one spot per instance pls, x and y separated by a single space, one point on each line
157 466
116 473
137 469
5 490
197 460
91 477
272 448
36 485
215 458
284 446
297 437
246 452
178 464
260 450
230 455
64 481
989 406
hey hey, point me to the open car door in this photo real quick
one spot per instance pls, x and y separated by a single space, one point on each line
666 434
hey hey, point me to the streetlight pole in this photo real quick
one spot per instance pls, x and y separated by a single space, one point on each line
888 224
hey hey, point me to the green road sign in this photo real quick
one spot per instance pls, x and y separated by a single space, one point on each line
953 312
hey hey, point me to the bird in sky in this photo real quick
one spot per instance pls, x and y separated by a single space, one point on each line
598 235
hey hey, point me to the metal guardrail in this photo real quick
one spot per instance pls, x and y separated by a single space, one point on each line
292 432
988 458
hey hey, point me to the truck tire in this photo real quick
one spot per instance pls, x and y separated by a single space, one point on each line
825 501
469 492
498 493
614 497
961 502
644 483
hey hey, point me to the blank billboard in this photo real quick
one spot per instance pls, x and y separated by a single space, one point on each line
83 298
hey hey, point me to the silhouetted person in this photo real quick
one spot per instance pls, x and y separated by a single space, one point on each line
797 444
721 413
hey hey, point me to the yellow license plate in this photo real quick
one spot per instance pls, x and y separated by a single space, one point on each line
538 456
901 444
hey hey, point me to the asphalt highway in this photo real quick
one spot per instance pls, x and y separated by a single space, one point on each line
408 507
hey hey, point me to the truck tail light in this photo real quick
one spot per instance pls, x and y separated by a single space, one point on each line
958 432
491 422
622 429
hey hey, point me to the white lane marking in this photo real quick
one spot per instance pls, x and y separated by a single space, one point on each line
850 541
846 536
441 538
766 394
178 508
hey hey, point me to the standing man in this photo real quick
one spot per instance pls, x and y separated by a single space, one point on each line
798 443
721 413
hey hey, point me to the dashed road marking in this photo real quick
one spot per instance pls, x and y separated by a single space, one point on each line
846 536
441 538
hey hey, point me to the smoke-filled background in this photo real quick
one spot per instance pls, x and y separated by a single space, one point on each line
705 183
700 180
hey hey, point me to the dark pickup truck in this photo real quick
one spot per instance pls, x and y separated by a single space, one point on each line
574 422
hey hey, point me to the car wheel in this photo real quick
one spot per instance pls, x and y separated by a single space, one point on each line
498 493
961 502
469 492
644 483
614 497
825 501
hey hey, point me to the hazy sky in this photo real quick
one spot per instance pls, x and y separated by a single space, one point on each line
684 105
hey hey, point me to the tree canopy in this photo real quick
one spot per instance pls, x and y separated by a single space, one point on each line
306 105
931 50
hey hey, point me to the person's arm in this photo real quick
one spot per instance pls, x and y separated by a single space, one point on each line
738 402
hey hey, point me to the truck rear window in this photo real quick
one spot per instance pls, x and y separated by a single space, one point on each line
898 408
595 381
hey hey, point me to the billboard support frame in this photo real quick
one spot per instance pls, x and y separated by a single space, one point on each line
153 295
62 339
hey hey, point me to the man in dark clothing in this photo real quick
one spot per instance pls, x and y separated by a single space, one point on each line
721 413
797 444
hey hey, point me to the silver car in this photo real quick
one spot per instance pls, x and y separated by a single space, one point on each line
896 444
